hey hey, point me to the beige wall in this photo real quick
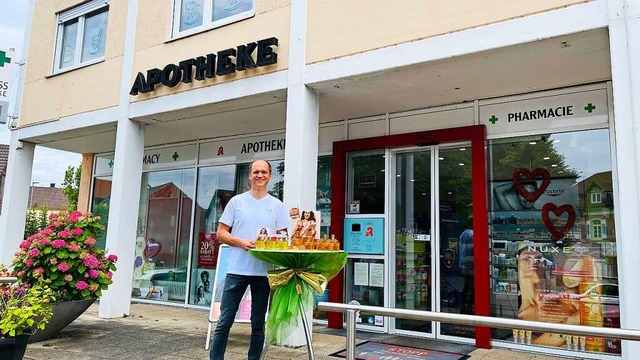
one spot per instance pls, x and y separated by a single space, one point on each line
85 182
90 88
339 28
153 50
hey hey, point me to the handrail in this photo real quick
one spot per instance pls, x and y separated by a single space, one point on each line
473 320
8 280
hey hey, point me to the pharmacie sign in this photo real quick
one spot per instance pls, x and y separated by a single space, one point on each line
545 112
7 59
222 63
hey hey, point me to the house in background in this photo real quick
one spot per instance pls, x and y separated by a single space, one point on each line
51 197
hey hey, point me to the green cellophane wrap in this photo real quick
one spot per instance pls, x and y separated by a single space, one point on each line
311 270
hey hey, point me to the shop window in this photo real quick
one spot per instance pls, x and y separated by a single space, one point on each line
366 181
81 38
100 205
193 16
547 236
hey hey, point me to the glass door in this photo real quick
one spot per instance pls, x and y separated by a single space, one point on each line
455 235
422 178
413 209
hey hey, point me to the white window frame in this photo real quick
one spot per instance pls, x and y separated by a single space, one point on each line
79 13
597 229
207 23
596 197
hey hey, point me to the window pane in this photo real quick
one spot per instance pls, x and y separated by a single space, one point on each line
215 189
276 184
68 50
366 184
225 8
191 14
553 256
100 205
95 33
160 268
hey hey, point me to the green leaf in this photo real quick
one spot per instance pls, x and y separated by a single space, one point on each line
81 269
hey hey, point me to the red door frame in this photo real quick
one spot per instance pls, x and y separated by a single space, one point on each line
477 135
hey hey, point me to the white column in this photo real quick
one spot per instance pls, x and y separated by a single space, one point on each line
301 151
303 112
624 36
15 197
123 215
125 187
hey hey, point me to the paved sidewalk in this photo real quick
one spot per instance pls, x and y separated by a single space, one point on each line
171 333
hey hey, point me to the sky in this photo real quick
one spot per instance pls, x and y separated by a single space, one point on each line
48 165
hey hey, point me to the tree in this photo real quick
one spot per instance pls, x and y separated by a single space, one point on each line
36 220
71 185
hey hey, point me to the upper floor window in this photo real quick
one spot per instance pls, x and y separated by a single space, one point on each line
82 32
192 16
596 197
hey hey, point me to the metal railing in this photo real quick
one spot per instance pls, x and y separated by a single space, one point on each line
8 280
352 312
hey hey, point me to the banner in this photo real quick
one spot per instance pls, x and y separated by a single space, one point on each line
208 247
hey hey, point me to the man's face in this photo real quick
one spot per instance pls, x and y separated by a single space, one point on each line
259 174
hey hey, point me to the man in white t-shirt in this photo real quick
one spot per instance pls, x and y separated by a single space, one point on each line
240 223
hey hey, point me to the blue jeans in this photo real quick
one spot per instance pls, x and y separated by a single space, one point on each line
234 288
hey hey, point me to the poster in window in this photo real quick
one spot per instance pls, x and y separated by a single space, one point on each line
208 248
567 285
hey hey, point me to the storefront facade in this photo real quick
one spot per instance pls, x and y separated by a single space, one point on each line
482 149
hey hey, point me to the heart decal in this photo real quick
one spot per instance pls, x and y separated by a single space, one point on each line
536 174
152 249
557 211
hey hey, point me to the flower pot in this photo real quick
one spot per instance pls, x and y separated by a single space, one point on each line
64 313
13 348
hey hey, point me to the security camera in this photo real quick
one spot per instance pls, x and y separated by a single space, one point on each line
13 125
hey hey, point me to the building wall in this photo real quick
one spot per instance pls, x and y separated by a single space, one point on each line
155 49
338 28
77 91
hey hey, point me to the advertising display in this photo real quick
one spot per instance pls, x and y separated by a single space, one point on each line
566 285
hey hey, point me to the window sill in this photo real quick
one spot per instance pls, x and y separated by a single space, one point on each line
72 68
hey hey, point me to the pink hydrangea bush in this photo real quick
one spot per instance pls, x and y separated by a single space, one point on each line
65 256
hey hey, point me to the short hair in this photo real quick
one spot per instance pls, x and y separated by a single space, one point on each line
251 165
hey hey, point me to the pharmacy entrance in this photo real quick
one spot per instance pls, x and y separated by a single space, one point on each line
410 228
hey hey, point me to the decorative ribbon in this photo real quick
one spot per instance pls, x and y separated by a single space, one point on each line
281 277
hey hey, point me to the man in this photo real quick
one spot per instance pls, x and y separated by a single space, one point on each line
242 219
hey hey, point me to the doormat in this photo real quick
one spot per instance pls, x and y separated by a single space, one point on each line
372 350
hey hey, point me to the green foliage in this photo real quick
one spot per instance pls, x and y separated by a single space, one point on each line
64 255
102 211
24 308
36 220
71 185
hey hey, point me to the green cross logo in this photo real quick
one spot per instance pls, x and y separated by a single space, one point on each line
493 119
589 108
110 163
4 59
175 156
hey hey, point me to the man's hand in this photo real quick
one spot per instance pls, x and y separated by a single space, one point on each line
248 244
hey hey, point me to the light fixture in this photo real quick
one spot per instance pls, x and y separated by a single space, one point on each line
441 158
423 194
412 180
449 193
560 172
461 164
462 149
532 142
554 165
546 158
398 175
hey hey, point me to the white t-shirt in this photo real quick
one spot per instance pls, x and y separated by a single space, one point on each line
246 216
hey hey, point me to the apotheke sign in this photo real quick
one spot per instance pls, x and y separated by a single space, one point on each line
208 66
